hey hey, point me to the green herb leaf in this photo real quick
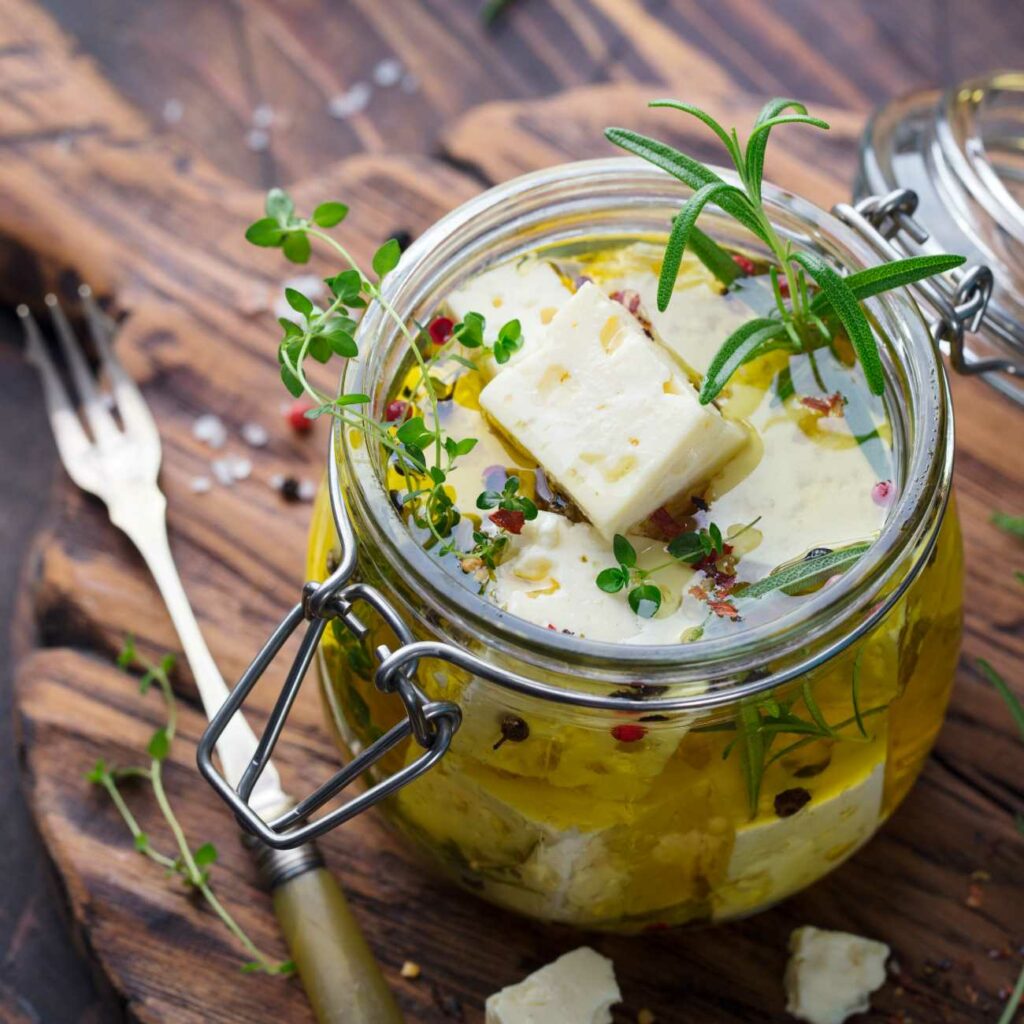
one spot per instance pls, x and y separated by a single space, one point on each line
291 382
159 745
645 600
206 854
686 547
1013 525
265 232
703 115
98 773
299 302
687 170
296 247
470 333
682 227
386 258
346 285
488 499
351 399
141 842
887 276
807 572
714 257
740 346
328 215
752 752
758 143
625 553
1003 688
846 307
127 656
611 581
814 711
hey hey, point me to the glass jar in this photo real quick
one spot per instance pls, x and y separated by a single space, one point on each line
961 152
704 809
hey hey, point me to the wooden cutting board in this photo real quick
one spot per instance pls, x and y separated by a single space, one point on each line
88 190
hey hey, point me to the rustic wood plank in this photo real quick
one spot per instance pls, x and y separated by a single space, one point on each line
88 186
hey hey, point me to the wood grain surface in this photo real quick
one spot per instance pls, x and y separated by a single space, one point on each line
94 183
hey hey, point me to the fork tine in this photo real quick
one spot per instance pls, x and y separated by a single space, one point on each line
99 419
130 404
72 442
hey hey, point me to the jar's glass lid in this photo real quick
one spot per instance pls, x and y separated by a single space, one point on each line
962 152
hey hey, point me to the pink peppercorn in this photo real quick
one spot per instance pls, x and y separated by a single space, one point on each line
629 732
440 329
746 265
881 493
297 418
397 410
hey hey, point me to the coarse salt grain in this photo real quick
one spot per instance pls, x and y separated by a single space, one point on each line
307 490
174 111
210 428
263 116
200 484
223 471
277 481
254 434
257 140
388 72
241 469
352 101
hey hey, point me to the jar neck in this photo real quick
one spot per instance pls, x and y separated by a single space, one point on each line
594 199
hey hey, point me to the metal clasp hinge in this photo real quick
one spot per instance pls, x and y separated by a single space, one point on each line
885 222
431 723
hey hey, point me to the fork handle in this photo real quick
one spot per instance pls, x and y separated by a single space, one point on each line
142 514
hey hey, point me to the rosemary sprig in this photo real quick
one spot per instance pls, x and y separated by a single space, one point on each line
806 573
799 322
192 866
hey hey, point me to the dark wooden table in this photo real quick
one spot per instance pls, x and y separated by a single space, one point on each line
202 70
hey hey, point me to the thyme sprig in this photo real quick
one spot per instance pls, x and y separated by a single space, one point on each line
191 865
801 319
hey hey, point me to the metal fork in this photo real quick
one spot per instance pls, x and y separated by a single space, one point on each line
120 465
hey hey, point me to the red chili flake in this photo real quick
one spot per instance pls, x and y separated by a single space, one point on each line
508 519
708 566
882 492
630 732
397 410
724 609
440 329
974 897
628 298
746 265
698 592
297 418
784 287
831 406
666 523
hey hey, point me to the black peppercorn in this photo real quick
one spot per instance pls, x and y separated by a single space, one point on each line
789 801
290 489
513 730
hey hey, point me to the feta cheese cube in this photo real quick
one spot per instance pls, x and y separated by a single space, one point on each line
831 975
578 988
609 414
529 291
773 857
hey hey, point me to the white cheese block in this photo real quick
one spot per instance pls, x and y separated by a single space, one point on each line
578 988
548 577
609 414
773 857
831 975
698 319
529 291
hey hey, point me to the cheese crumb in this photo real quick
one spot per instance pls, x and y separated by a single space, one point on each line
578 988
831 975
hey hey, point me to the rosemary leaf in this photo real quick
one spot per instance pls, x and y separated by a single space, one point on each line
846 307
1009 524
807 572
740 346
752 752
1003 688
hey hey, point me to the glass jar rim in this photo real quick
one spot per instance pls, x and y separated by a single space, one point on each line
821 625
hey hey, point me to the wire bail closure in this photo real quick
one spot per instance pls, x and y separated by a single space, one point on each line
887 223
